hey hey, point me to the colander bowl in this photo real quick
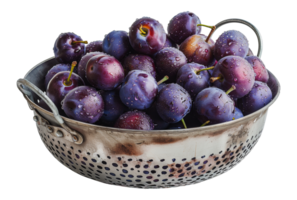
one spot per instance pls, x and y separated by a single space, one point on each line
143 159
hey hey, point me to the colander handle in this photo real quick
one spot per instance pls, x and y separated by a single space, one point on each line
76 137
241 21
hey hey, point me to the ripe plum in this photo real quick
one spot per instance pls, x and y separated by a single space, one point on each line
116 43
141 62
259 66
233 70
69 47
173 103
138 90
84 104
192 79
104 72
135 120
215 105
182 25
258 97
147 35
231 41
168 61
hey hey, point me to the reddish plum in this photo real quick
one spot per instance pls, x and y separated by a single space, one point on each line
69 47
116 43
135 120
168 61
234 70
147 36
259 96
182 26
261 73
138 90
104 72
141 62
84 104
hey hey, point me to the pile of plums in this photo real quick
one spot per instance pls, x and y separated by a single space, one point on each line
149 79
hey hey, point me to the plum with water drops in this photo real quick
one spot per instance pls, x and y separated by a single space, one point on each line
261 73
169 43
259 96
69 47
94 46
84 104
231 43
168 61
193 77
135 120
173 103
214 105
182 26
138 90
54 70
234 70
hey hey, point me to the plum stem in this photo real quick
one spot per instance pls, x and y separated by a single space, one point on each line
184 123
143 32
205 123
68 82
163 80
205 25
75 42
210 34
204 69
231 89
213 79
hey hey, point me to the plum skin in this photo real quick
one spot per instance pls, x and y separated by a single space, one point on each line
84 104
261 73
135 120
54 70
94 46
150 43
104 72
138 90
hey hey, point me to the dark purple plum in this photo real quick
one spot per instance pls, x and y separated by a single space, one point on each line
135 120
141 62
191 121
84 104
182 26
169 43
197 50
83 64
104 72
43 105
259 96
234 70
147 36
261 73
94 46
193 77
214 105
69 47
54 70
159 123
138 90
168 61
117 44
113 106
250 53
231 43
211 70
178 125
58 87
173 103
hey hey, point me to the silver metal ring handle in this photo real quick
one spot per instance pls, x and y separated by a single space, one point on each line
77 137
241 21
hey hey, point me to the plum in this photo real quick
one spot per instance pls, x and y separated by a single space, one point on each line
173 103
138 90
54 70
84 104
168 61
104 72
261 73
94 46
135 120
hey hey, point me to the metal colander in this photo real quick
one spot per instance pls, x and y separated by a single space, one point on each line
144 159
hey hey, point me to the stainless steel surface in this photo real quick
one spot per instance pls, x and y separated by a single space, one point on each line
145 159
